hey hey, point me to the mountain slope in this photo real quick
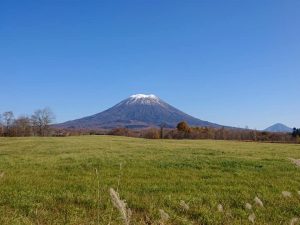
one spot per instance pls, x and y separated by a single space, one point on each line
279 127
137 111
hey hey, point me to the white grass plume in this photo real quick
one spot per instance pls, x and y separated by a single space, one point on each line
286 194
220 208
295 161
258 202
164 217
298 192
184 206
248 206
294 221
121 206
251 218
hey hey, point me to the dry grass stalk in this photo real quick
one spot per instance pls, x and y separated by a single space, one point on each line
294 221
286 194
98 196
220 208
248 206
295 161
251 218
258 202
164 217
2 174
184 206
121 206
298 192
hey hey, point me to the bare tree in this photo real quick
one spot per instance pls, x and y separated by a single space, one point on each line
23 126
8 119
41 120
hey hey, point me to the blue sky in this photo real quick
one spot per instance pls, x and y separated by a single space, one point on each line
230 62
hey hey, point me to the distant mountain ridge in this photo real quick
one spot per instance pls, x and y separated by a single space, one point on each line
137 111
279 127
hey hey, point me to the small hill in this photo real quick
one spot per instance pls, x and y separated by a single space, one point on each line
279 127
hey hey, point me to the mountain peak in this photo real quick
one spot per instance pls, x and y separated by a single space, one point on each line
143 99
279 127
140 96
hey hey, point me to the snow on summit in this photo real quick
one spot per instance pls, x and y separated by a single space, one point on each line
143 99
139 96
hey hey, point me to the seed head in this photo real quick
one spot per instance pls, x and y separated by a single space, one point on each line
248 206
258 202
163 215
251 218
121 206
295 161
220 208
286 194
184 206
294 221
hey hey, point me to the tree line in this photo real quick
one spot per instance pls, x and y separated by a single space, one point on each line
38 124
184 131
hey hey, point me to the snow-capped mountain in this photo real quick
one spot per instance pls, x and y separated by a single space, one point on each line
137 111
279 127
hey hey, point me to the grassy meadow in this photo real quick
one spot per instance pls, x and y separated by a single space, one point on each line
67 180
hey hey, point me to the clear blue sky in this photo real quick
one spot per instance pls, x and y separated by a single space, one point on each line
230 62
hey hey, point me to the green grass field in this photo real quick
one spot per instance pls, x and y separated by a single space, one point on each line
54 180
